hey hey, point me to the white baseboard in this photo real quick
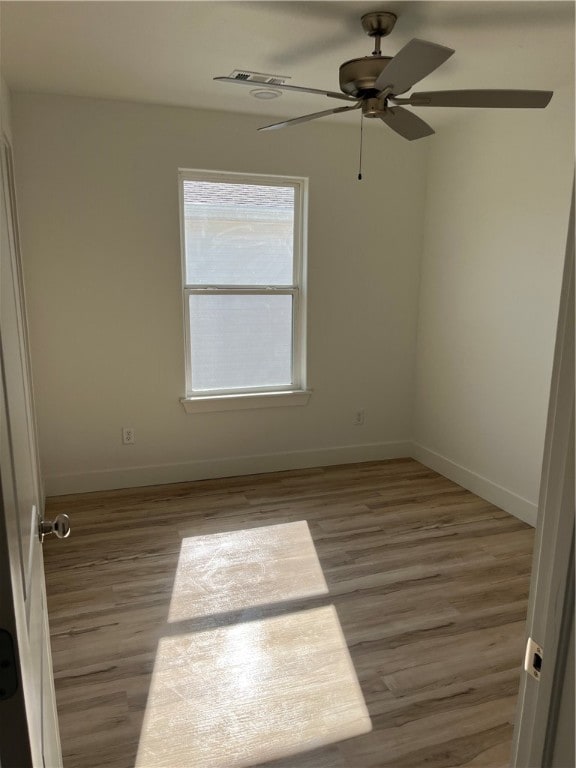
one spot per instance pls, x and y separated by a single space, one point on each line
132 477
510 502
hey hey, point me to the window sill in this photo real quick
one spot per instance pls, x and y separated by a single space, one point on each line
208 403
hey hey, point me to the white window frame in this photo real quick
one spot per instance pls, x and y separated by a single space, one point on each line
255 397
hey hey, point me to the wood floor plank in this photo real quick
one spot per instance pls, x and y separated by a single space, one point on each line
429 583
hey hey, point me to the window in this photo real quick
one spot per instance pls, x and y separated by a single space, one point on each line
244 302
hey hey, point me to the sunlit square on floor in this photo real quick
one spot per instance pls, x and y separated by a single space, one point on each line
226 572
255 691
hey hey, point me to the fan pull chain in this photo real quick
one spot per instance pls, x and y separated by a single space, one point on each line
361 134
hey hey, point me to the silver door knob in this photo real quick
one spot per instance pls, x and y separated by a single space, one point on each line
60 526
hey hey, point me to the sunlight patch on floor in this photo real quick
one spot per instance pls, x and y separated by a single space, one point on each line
227 572
238 694
247 693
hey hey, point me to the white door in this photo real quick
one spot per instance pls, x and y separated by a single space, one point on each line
29 732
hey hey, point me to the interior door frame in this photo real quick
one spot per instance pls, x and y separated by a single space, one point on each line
21 743
551 602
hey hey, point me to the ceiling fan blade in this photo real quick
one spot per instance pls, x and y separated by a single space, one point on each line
501 98
413 62
305 118
299 88
406 123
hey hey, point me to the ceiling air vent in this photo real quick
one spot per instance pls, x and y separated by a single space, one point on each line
258 77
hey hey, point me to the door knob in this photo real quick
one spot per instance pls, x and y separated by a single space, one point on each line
60 526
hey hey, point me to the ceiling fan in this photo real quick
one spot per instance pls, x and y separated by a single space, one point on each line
373 84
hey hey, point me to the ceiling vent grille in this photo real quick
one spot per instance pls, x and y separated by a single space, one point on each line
258 77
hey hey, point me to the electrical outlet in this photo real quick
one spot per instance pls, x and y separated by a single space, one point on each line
128 436
359 418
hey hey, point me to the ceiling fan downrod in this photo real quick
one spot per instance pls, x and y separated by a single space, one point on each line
378 25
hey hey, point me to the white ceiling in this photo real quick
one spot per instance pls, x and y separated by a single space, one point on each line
168 52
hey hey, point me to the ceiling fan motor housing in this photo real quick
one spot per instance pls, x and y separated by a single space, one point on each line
357 76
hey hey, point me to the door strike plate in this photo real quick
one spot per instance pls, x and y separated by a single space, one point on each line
533 659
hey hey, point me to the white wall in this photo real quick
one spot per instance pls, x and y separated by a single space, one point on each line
497 210
99 219
100 239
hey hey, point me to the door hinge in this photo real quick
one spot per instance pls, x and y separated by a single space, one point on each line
8 676
533 658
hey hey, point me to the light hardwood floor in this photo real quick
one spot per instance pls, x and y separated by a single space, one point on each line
429 582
